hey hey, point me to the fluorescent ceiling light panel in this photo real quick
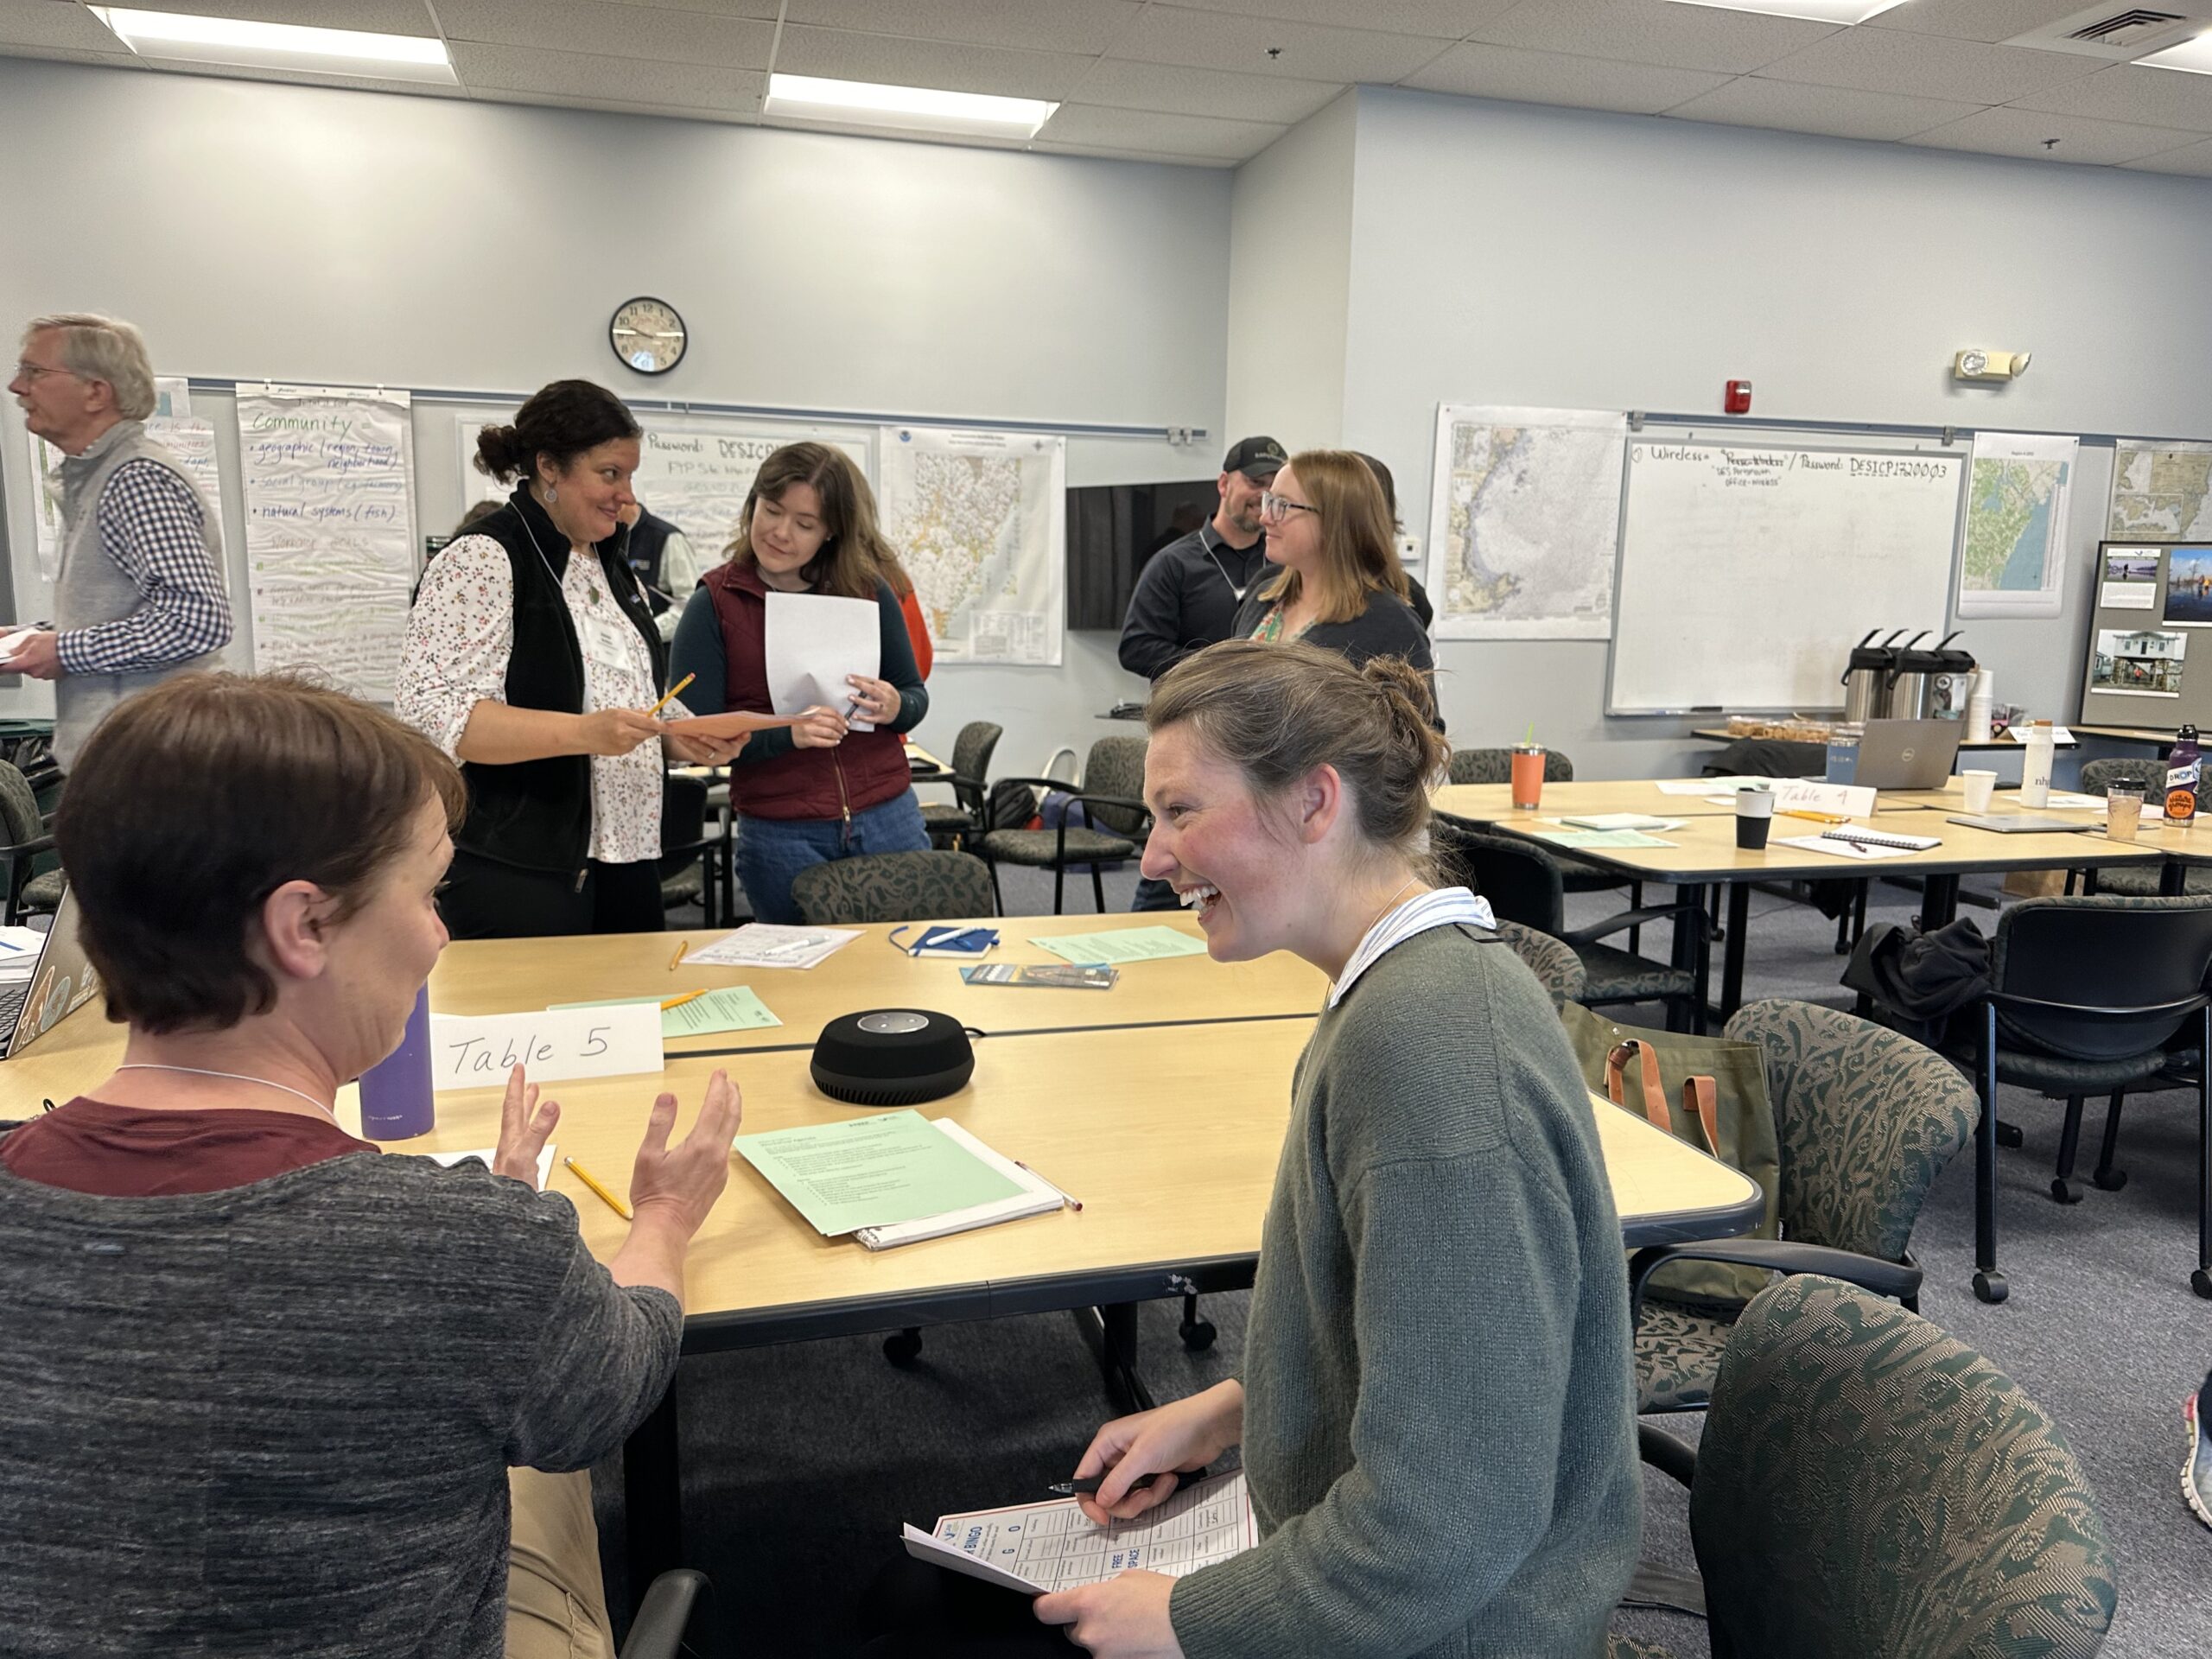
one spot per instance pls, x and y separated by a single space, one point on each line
183 36
2194 56
922 109
1818 11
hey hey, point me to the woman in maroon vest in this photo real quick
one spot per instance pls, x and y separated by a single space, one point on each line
822 790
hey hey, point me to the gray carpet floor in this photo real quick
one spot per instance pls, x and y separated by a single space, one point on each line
802 1461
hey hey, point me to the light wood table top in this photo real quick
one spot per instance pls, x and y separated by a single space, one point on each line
2008 742
1493 803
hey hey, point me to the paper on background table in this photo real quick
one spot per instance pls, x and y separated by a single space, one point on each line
1037 1548
1601 838
732 1007
1125 945
1707 785
478 1052
872 1172
814 640
487 1153
770 945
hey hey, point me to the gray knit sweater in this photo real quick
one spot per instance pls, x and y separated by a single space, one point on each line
277 1420
1440 1429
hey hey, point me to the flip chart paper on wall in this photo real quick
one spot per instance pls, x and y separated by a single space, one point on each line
328 482
478 1053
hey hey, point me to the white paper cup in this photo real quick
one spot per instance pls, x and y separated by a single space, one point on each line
1978 786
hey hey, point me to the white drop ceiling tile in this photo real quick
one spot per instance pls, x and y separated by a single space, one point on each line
378 17
1928 66
612 106
1976 20
1172 90
54 24
620 81
2192 159
1207 40
2157 98
1835 112
1438 19
1084 26
717 7
2003 131
950 67
1176 134
1653 31
1478 71
611 31
1096 152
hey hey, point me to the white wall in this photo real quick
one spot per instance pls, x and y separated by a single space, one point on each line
1506 253
1290 265
261 230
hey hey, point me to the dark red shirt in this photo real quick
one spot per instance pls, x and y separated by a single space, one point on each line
127 1151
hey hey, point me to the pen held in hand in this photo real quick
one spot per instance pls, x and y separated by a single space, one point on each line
1089 1485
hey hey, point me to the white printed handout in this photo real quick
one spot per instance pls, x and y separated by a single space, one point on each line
595 1042
1039 1548
329 529
770 945
980 519
813 642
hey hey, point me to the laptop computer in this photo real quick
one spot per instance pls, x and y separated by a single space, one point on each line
1907 753
61 982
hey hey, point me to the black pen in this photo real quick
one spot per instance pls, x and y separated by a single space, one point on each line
1089 1485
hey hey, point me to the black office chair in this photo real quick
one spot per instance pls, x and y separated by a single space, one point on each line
950 825
1110 793
1522 881
28 834
687 849
2053 1021
2131 880
657 1632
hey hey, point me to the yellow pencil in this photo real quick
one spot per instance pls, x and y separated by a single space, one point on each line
1817 817
678 1001
678 957
672 690
592 1181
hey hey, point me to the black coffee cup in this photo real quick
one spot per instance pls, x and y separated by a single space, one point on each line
1754 819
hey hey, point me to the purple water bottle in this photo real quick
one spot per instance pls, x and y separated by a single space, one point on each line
396 1098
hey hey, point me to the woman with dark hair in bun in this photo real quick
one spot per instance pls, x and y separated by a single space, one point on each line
531 658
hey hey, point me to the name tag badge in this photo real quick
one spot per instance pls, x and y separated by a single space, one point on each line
605 639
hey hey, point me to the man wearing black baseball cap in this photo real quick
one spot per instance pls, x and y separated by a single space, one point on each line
1191 589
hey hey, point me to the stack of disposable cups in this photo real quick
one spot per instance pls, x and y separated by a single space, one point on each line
1978 704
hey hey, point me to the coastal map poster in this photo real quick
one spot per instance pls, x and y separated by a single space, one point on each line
2015 524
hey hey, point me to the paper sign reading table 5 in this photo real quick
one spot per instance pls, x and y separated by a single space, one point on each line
605 1042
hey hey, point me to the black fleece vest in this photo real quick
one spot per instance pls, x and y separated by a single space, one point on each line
648 547
536 814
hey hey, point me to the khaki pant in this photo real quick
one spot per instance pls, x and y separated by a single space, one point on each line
556 1605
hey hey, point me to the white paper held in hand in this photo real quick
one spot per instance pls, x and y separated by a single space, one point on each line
556 1043
485 1154
813 641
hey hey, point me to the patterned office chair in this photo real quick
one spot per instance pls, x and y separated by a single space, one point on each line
894 888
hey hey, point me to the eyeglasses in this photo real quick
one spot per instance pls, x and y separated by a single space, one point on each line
1281 507
35 371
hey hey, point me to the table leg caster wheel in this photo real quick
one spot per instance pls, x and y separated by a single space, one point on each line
2110 1181
2201 1282
1198 1334
903 1348
2064 1192
1990 1286
2008 1134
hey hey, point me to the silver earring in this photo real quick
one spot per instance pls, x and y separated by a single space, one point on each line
552 493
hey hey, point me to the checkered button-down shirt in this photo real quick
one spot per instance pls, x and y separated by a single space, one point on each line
151 525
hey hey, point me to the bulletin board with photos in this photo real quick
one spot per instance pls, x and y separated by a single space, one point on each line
2149 661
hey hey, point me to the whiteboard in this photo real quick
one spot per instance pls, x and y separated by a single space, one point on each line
1749 570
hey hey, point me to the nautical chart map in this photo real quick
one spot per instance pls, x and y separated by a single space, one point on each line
2161 492
1523 522
980 519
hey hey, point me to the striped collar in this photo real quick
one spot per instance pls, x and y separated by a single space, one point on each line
1442 908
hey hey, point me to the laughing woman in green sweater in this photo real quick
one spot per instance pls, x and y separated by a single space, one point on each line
1437 1411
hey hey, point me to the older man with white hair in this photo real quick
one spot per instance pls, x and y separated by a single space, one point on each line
139 595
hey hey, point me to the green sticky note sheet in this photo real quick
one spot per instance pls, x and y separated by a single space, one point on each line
732 1007
1604 838
872 1172
1124 944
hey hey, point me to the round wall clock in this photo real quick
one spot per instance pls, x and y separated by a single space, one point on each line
647 335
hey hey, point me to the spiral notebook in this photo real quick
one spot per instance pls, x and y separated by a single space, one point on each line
1852 840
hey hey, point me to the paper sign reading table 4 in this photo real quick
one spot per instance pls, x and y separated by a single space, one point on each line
477 1053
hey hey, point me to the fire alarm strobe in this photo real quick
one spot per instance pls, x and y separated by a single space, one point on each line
1739 398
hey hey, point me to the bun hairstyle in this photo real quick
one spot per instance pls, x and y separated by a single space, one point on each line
1276 712
560 422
